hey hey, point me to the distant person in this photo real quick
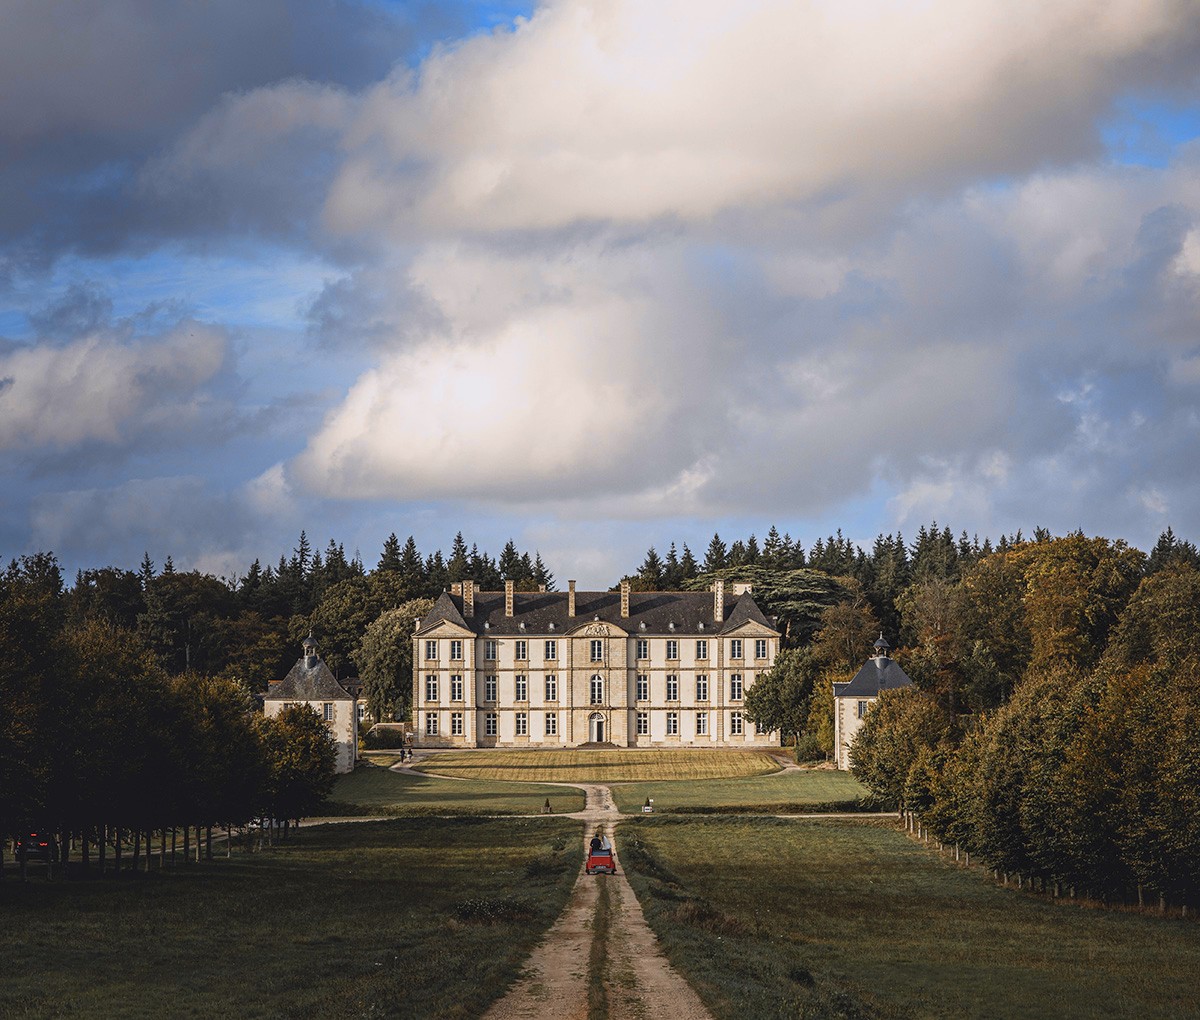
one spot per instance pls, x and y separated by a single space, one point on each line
596 844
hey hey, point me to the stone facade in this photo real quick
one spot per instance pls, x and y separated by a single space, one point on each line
564 669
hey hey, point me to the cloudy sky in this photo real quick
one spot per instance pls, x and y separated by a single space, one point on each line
593 274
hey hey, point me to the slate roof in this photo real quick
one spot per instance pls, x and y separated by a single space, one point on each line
308 683
876 675
690 611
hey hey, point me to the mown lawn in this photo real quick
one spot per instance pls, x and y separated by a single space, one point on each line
374 790
794 791
599 766
777 918
387 919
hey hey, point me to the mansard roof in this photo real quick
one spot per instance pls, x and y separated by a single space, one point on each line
876 675
690 611
306 682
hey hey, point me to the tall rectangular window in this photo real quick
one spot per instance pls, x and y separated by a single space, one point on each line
456 724
701 724
597 651
327 711
701 688
597 691
672 688
735 648
702 649
456 688
456 650
489 688
672 648
551 688
735 724
430 650
551 651
672 724
551 724
522 688
489 649
643 687
490 722
760 648
431 688
431 724
862 709
643 648
735 687
522 724
643 723
522 647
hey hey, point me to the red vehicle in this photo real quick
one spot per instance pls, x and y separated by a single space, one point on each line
600 862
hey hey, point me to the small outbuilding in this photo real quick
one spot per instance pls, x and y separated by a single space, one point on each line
310 682
852 701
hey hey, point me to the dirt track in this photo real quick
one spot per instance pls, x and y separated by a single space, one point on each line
638 982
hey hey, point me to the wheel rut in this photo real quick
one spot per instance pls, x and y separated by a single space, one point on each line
638 982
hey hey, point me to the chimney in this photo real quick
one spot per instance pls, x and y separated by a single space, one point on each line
508 597
468 596
719 601
624 600
570 598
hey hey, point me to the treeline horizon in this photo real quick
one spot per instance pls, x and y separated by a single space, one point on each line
250 627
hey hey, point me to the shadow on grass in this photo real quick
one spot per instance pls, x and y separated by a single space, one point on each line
420 918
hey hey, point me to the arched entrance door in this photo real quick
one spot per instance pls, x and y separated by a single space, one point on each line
596 728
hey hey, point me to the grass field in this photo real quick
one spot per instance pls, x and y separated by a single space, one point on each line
374 790
387 919
771 919
600 766
794 791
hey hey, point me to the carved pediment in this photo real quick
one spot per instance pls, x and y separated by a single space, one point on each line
598 628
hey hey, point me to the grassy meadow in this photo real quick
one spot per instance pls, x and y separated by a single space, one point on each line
776 918
375 790
388 919
599 766
793 791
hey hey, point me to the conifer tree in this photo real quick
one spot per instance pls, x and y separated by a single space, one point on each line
717 555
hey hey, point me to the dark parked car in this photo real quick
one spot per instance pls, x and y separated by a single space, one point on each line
36 846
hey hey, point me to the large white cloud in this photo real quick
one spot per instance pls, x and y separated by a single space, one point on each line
561 376
628 111
106 389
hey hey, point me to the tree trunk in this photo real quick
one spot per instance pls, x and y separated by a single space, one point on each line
162 848
208 842
137 850
1141 895
101 847
85 857
117 850
187 844
174 837
1162 904
228 841
197 844
149 843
